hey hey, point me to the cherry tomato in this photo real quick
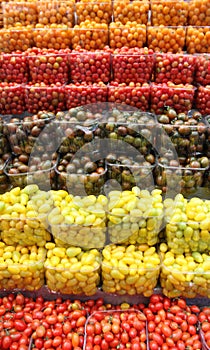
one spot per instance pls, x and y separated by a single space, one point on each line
75 340
6 342
20 325
192 319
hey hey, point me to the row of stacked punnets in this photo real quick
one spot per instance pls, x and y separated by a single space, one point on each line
192 39
90 145
122 65
68 13
100 323
74 241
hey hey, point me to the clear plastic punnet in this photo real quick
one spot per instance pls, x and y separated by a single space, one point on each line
136 96
83 94
11 98
202 44
42 97
77 175
133 127
202 73
118 317
177 68
188 137
22 133
169 12
56 12
77 127
187 230
90 67
131 11
14 68
24 220
21 268
82 222
130 270
130 173
48 66
100 12
185 275
191 176
72 270
19 14
199 13
55 36
23 170
130 35
134 217
203 99
90 36
179 97
16 38
166 38
132 66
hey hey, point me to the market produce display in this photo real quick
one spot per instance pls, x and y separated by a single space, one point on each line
81 220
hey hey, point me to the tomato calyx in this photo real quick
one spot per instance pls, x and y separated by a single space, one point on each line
7 331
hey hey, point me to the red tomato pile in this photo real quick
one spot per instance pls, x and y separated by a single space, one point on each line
172 324
132 65
90 67
136 95
179 69
204 318
109 330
